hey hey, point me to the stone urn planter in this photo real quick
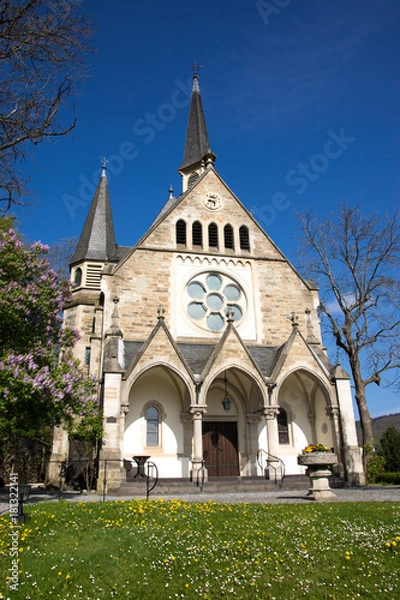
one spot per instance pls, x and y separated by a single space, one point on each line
319 466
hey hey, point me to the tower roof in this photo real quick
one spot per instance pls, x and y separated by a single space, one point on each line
197 145
97 240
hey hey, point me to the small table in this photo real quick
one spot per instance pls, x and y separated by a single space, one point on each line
140 461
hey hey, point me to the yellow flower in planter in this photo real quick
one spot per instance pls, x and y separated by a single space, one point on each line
316 448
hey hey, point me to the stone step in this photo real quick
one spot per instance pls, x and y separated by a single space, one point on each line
214 485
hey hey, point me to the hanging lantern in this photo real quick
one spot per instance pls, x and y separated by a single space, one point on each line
226 402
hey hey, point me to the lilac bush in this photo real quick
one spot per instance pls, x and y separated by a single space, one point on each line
41 384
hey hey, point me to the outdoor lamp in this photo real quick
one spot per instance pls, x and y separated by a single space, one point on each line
226 402
23 495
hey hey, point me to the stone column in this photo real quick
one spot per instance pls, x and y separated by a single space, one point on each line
312 419
197 413
111 449
186 451
270 414
122 419
252 422
333 413
59 454
351 450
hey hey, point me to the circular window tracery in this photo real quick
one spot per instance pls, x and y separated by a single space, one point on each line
209 297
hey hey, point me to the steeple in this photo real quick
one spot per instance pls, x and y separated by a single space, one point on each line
197 155
97 240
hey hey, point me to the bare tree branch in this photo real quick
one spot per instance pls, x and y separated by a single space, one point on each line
355 259
44 46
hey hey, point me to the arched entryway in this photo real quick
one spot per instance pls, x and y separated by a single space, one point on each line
232 424
158 423
305 418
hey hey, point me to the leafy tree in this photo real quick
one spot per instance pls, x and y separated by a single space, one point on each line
41 384
389 448
43 47
355 260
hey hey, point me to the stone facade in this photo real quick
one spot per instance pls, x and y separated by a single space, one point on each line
205 308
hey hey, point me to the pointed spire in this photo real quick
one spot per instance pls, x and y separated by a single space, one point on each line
197 145
104 167
97 240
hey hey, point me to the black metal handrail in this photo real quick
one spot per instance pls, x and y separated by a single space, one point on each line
270 459
153 467
149 472
201 474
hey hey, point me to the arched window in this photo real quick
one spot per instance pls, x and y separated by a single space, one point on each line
213 235
152 426
78 276
244 238
181 232
283 427
228 236
197 234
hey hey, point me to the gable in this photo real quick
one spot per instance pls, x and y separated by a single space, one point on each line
297 353
231 352
159 348
210 201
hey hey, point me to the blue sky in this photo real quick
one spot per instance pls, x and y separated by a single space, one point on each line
301 100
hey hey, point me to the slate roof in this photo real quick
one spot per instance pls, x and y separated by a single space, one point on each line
132 349
197 144
97 240
197 355
265 358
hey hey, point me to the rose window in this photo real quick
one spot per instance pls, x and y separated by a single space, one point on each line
209 297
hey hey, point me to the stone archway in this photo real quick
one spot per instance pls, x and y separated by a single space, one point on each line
163 394
308 407
230 435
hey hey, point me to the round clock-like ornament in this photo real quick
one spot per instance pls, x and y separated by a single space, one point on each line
212 201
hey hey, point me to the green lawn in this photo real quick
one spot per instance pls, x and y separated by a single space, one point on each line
158 549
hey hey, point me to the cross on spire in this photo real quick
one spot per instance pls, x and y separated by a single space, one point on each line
195 67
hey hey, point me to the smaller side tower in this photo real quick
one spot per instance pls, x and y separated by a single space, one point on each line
96 248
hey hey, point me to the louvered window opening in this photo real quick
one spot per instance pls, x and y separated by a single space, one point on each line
192 179
93 276
181 232
213 235
244 238
197 234
228 237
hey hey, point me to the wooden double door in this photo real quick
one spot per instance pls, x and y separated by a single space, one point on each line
220 448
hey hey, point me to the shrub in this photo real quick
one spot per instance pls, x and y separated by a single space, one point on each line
389 448
374 464
389 478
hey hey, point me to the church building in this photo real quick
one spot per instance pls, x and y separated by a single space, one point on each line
205 339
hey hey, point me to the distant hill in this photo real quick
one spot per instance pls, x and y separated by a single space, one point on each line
380 424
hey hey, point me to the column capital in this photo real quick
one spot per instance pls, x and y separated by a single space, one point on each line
197 412
270 412
332 412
